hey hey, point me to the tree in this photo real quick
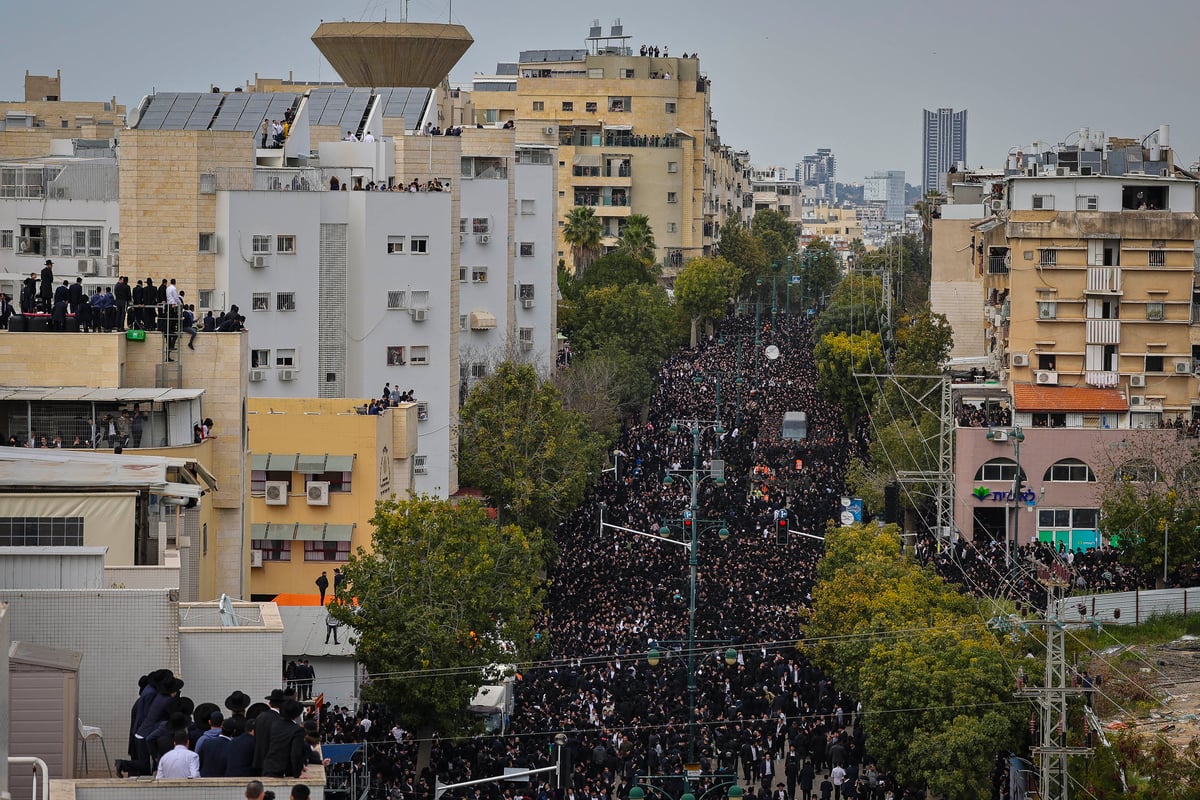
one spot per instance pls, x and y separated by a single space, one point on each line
777 234
614 269
855 306
593 387
741 247
908 262
839 356
523 449
704 288
443 592
582 230
637 239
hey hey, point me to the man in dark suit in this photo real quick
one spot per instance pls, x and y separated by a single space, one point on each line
214 756
240 759
63 292
264 727
6 311
124 296
286 753
46 290
75 296
28 293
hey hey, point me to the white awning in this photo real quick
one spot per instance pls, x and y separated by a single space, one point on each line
482 320
618 127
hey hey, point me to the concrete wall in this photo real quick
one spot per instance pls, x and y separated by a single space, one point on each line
214 661
956 289
196 789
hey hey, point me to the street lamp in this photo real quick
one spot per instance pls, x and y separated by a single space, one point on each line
1016 436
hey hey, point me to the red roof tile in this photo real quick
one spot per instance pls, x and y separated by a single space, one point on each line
1030 397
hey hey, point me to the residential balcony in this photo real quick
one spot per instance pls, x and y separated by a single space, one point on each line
1103 331
1101 378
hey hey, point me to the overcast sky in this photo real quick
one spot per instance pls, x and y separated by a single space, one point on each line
788 76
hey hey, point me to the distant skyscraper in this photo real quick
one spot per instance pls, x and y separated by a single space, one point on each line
887 190
945 144
819 169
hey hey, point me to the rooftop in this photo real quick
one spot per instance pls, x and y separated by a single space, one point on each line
1030 397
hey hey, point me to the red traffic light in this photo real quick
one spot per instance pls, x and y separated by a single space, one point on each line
783 522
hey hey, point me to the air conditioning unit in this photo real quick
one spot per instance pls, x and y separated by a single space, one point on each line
1047 378
1020 360
86 266
257 375
256 558
1137 400
999 436
287 374
317 492
483 238
527 303
1137 380
997 205
419 314
259 262
276 493
1183 367
548 130
1062 172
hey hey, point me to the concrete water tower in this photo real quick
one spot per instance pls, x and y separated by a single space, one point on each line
371 54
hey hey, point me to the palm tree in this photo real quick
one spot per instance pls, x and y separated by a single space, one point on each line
582 230
637 239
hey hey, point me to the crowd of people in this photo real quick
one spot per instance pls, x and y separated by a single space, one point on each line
770 719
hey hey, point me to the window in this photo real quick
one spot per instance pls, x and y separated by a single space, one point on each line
41 531
672 166
1047 309
395 245
998 469
285 244
1158 258
420 299
479 370
208 243
1154 364
481 225
670 108
326 551
1087 202
422 411
285 301
1049 257
463 321
672 197
419 355
525 291
260 359
206 296
1043 202
626 73
1070 470
1047 361
1155 311
1049 420
6 240
672 227
208 183
526 248
526 337
568 105
590 107
539 105
260 245
66 240
620 104
273 549
260 301
998 261
462 274
285 357
527 207
338 481
1139 470
259 478
419 245
479 274
397 300
395 356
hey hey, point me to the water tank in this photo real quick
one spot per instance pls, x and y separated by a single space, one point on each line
1164 135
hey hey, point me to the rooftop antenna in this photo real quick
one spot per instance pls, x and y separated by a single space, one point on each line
225 611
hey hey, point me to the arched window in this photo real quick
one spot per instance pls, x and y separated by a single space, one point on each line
1139 470
1070 470
998 469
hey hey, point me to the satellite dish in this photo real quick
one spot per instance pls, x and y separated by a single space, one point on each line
772 352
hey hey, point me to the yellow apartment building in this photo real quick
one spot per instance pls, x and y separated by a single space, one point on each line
1090 280
317 468
635 135
28 126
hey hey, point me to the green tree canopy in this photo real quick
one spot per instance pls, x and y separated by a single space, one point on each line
614 269
704 288
907 259
637 239
741 247
855 306
523 449
443 592
582 230
820 270
839 356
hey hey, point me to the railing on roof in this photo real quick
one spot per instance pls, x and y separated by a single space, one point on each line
85 182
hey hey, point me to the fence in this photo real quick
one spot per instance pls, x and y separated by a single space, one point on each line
1134 607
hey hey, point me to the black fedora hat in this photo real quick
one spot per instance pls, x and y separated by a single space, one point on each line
275 697
238 701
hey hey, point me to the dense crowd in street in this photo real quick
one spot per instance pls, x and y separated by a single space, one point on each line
770 719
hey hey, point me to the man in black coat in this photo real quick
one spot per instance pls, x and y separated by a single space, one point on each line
75 296
214 756
286 753
124 296
264 728
240 758
46 290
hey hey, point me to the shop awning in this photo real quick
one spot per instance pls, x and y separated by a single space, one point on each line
618 127
482 320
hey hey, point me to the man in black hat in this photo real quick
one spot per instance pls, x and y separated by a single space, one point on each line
287 753
323 585
46 290
264 728
237 703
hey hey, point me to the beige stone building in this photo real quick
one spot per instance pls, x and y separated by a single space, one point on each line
1088 258
635 135
28 126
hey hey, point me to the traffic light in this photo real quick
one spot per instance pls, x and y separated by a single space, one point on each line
687 523
781 526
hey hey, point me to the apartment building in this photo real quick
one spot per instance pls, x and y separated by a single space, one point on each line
29 126
635 135
1089 258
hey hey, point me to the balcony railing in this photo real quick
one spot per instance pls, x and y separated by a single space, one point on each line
1103 331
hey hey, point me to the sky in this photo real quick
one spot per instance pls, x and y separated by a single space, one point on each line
787 77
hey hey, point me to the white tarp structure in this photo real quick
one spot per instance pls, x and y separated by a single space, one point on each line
59 468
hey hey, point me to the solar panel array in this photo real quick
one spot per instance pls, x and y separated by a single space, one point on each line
408 104
342 108
198 111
